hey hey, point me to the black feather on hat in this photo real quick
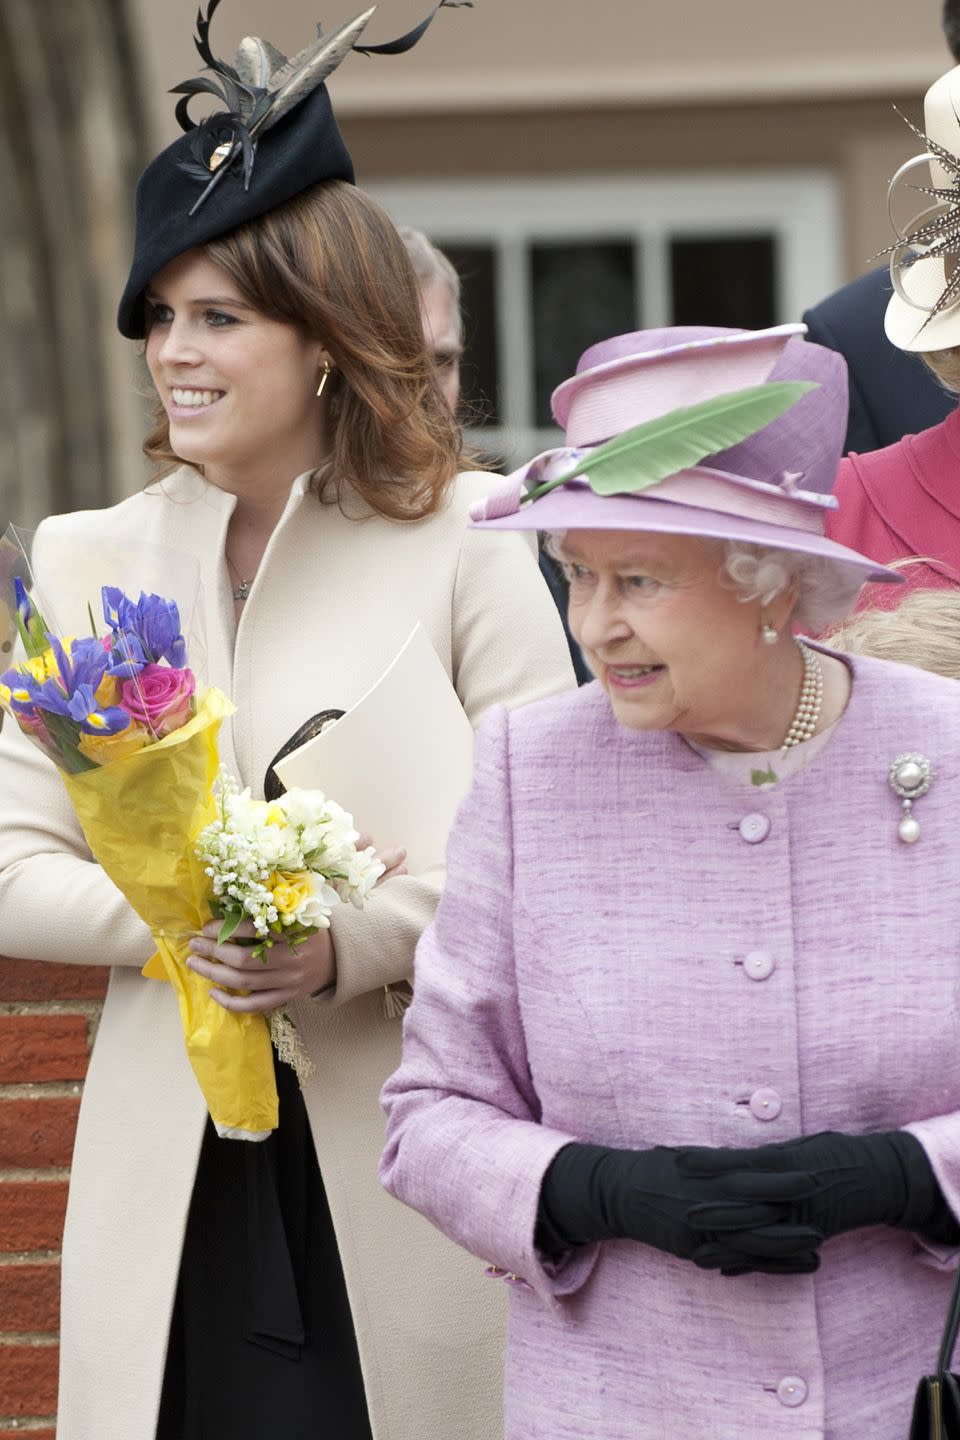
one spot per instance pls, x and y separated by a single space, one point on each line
275 137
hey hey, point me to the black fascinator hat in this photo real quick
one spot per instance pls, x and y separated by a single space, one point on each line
275 137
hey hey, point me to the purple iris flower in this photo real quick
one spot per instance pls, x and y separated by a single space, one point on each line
81 671
85 665
88 663
43 694
127 656
83 708
21 693
24 607
153 622
31 622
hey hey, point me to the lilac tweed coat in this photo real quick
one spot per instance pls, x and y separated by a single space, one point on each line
635 949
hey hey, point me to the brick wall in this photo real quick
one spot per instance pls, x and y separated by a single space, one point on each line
48 1017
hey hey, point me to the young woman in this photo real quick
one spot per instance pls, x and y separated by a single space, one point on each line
311 469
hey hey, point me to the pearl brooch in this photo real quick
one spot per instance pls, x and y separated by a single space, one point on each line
910 777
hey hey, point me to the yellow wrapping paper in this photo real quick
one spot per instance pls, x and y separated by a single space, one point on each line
141 816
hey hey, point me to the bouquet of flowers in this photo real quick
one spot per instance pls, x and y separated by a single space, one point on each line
282 864
135 741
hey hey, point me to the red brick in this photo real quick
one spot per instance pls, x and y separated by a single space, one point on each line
43 1047
36 980
37 1132
31 1214
29 1298
28 1379
27 1435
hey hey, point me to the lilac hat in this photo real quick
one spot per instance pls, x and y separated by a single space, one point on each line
770 488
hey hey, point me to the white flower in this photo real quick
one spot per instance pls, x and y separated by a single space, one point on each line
304 807
302 842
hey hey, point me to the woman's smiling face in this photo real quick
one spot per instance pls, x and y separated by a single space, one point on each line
239 388
663 630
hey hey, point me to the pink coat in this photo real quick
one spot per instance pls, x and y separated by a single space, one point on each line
634 949
901 502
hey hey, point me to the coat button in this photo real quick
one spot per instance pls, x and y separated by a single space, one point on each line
792 1390
765 1104
759 965
754 828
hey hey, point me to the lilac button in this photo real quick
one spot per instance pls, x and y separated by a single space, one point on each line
765 1104
754 828
792 1390
759 964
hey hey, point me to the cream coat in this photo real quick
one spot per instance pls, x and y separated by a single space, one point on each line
332 603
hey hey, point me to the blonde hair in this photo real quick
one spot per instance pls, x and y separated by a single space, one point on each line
923 631
944 365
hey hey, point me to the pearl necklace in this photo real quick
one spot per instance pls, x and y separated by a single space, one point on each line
807 715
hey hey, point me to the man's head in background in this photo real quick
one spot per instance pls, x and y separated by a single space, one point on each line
951 26
439 309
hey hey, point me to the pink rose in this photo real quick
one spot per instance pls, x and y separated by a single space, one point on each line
159 698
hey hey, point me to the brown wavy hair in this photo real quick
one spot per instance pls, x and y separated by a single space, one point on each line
331 263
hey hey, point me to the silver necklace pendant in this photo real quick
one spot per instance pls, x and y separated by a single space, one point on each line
242 590
910 777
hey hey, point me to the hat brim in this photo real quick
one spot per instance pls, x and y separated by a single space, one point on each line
579 508
915 331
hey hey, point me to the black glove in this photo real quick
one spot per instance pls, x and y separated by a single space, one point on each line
830 1182
591 1192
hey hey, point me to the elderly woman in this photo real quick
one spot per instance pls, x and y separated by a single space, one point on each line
682 1061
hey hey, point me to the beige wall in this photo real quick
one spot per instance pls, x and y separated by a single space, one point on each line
860 141
564 54
531 86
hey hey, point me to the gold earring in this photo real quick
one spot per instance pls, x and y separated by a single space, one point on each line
327 367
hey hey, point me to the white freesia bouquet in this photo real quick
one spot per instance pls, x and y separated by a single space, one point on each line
282 864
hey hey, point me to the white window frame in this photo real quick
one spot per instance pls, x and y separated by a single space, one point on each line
801 208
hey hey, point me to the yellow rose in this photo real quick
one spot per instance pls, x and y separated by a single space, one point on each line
41 667
104 748
108 693
290 892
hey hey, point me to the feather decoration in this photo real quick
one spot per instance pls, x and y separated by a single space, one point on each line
301 75
257 60
648 453
407 42
264 87
939 235
202 41
237 102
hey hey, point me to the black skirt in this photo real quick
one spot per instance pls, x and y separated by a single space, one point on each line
262 1339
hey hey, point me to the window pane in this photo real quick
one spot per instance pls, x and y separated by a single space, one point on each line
724 280
580 293
479 376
